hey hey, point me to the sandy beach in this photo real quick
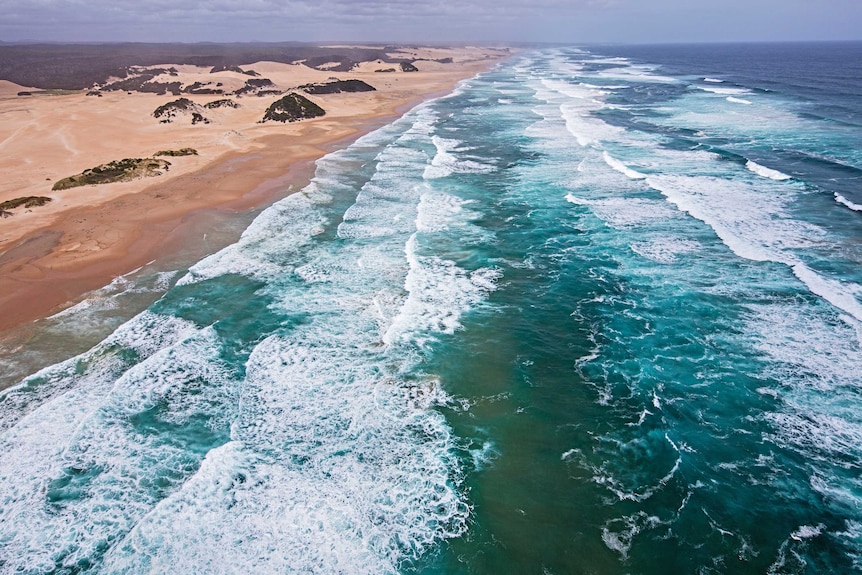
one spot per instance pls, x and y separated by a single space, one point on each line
86 236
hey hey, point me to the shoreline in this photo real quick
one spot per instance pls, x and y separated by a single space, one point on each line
86 247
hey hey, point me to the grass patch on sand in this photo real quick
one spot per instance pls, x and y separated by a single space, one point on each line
337 86
26 202
117 171
180 152
223 103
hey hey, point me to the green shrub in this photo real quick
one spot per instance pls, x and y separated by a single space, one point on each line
27 202
171 108
117 171
292 108
224 103
180 152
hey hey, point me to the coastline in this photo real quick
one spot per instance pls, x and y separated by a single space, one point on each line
83 248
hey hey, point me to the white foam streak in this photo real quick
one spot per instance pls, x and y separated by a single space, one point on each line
623 213
439 293
588 94
334 466
609 60
754 226
807 532
734 100
622 168
84 442
845 202
577 102
637 74
436 211
618 534
814 363
588 131
765 172
725 91
144 335
283 229
445 162
664 249
696 197
105 298
289 227
606 88
844 296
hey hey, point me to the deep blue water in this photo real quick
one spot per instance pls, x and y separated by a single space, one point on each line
597 311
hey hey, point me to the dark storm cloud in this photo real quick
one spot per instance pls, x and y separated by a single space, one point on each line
441 20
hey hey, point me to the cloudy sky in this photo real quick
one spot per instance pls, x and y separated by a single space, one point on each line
577 21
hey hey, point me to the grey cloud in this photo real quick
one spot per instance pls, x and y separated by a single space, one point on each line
443 20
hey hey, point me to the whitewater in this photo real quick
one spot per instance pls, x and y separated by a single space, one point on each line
598 310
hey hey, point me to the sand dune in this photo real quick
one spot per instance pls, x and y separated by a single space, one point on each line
85 236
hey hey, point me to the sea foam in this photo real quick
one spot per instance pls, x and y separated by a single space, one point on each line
624 213
622 168
735 100
845 202
636 73
664 249
86 442
725 91
445 162
755 226
766 172
322 454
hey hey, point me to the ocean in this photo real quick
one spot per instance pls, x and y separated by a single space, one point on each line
599 310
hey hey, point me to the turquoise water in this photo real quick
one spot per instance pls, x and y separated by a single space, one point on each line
594 312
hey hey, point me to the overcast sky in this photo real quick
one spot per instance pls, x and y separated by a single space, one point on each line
576 21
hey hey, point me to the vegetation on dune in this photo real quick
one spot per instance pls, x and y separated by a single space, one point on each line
237 69
116 171
337 87
255 85
167 112
121 171
226 68
224 103
408 67
332 62
292 108
27 202
201 88
142 81
180 152
448 60
259 83
172 107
